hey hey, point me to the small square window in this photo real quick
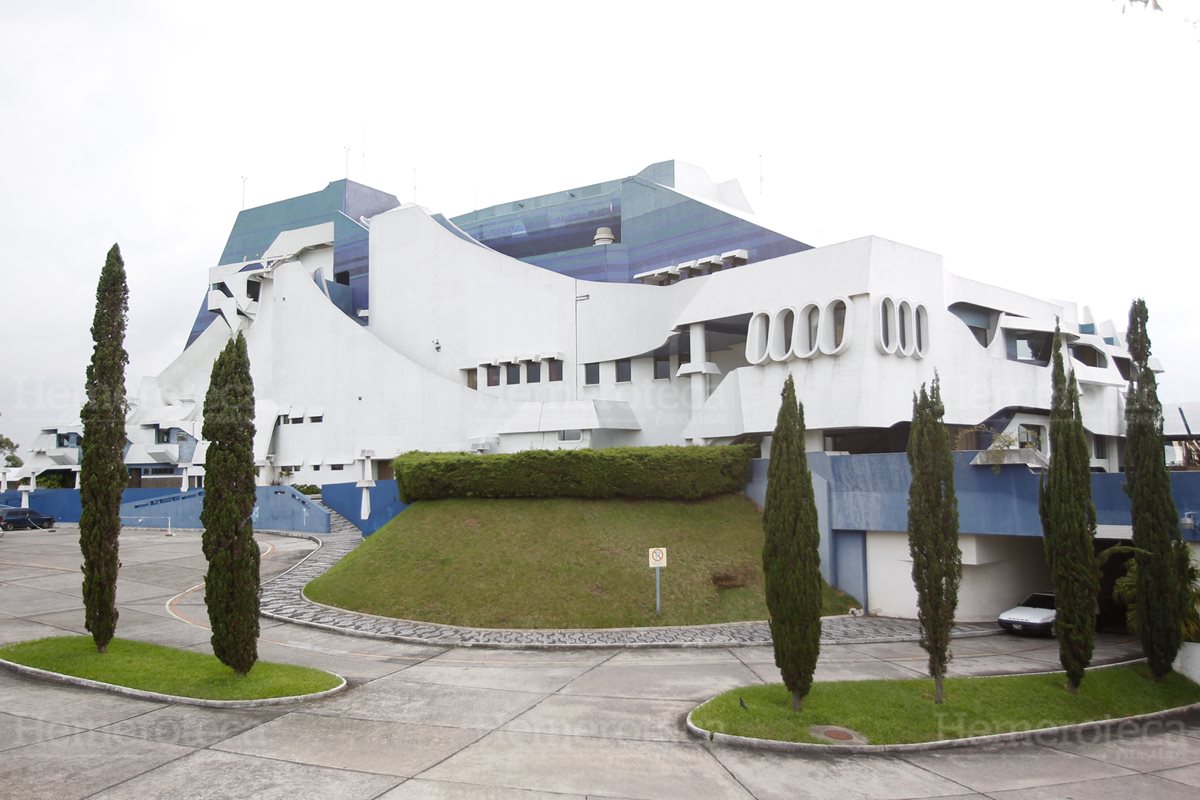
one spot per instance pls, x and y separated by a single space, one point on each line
554 367
533 372
624 370
493 375
1030 436
591 374
570 436
662 366
512 374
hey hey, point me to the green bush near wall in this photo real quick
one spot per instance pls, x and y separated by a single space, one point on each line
666 473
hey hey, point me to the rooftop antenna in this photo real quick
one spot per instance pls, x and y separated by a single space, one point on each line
244 192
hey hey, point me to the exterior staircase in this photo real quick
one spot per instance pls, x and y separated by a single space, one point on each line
337 523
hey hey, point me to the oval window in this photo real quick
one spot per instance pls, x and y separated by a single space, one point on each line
756 337
782 330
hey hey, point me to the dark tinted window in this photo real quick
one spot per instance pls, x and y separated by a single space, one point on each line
591 374
624 370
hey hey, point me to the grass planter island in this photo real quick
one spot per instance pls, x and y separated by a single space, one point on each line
560 563
167 670
900 712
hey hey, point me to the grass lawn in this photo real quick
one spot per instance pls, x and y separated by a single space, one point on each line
154 668
560 563
903 711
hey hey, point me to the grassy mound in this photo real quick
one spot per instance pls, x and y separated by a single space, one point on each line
559 563
903 711
154 668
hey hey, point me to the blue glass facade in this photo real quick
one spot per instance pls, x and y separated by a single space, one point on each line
653 226
341 202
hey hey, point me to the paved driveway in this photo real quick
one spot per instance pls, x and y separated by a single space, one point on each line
446 723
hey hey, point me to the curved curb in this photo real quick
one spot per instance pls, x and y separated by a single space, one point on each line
142 694
285 601
779 746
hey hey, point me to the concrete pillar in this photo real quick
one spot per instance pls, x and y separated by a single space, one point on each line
25 492
696 333
4 480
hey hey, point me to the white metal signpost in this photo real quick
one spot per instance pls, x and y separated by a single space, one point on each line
658 560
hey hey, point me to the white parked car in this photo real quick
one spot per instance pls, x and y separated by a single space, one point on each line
1035 614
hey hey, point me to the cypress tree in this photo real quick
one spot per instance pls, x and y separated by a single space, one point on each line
1069 525
231 586
102 472
933 530
791 559
1161 588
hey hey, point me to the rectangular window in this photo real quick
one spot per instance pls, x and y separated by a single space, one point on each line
624 370
162 436
591 373
316 467
318 418
336 467
662 365
554 367
1030 436
472 378
512 374
493 375
533 372
283 420
253 290
570 436
685 348
297 420
1099 447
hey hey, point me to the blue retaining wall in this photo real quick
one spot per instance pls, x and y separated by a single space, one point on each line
346 499
64 505
278 508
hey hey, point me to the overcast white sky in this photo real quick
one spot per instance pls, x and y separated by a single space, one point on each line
1048 147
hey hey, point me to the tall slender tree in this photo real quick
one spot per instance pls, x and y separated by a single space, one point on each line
791 558
231 586
102 472
1162 590
933 530
1069 525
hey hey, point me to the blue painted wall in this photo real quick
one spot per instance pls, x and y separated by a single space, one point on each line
279 508
870 493
64 506
346 499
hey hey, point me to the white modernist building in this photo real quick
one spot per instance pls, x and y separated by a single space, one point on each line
648 310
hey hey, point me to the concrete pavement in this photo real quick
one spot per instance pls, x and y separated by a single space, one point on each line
449 722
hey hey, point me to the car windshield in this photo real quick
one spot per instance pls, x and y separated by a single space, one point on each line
1039 601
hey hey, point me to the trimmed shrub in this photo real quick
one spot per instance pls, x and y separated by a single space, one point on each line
665 473
306 488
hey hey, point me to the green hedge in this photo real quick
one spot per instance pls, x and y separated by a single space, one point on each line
668 473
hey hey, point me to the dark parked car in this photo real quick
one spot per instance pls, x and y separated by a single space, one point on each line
13 518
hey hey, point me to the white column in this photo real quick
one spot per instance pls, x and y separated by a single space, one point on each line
699 379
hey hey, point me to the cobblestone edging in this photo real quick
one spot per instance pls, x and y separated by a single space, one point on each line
283 599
